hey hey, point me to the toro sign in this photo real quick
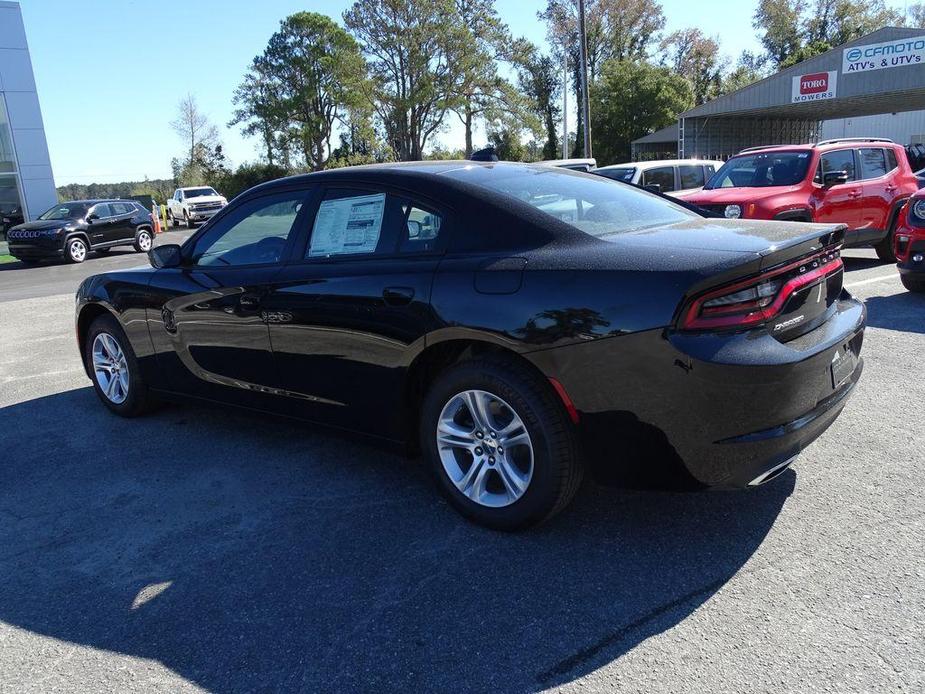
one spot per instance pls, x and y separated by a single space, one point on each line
815 86
877 56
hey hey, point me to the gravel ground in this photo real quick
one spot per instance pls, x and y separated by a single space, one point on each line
210 549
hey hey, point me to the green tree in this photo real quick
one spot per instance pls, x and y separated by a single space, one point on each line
539 80
778 25
631 99
415 51
507 144
835 22
312 71
257 110
916 13
695 56
749 69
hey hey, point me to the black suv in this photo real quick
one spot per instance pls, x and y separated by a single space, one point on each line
72 229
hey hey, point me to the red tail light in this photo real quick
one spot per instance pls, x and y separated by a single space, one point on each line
754 301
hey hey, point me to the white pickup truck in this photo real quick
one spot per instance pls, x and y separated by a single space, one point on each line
194 204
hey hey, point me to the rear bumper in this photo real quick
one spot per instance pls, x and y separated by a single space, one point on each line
719 409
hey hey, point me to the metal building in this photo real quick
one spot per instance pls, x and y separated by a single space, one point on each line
834 93
27 187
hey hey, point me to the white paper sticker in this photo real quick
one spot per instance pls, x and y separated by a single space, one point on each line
348 225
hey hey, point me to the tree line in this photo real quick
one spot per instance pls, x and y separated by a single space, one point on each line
385 82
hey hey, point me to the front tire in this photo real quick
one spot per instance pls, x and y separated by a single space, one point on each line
114 369
913 284
187 222
499 444
76 250
143 241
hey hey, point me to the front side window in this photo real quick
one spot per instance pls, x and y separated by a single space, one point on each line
762 170
102 210
256 233
592 204
691 176
840 160
873 162
662 177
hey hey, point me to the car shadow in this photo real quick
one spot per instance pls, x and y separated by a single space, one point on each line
249 553
904 311
93 256
853 263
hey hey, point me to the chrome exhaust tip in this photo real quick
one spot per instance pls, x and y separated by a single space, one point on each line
771 473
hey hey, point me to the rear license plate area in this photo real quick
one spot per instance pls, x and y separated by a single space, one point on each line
843 365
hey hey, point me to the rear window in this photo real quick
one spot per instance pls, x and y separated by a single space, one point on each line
624 173
590 203
762 170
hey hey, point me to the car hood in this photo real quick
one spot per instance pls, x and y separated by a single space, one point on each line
737 196
43 224
205 198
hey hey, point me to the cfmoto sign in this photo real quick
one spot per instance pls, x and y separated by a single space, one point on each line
879 56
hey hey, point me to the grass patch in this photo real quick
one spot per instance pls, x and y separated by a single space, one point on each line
8 259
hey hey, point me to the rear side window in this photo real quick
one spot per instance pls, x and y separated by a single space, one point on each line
119 208
101 210
421 229
891 162
662 176
691 176
873 162
840 160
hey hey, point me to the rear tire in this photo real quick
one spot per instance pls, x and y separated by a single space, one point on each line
529 482
114 369
913 284
143 241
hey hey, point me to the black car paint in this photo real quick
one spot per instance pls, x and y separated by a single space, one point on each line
327 341
119 230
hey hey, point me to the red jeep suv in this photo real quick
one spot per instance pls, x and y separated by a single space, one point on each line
910 243
861 182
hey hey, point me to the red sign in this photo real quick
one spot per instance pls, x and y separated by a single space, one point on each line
815 83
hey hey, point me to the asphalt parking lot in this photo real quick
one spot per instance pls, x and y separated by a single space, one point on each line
211 549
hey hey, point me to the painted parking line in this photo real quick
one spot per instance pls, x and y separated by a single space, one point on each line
872 280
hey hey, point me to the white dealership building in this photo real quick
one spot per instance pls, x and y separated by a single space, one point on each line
27 187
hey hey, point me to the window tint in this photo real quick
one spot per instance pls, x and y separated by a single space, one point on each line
891 162
839 160
421 229
254 234
873 163
663 176
691 176
101 210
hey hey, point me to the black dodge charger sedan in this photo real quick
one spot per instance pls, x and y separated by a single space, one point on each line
71 230
515 324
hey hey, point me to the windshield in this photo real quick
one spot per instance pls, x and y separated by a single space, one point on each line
761 170
592 204
67 210
198 192
624 174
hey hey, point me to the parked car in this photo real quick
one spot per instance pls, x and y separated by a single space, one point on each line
910 243
71 230
586 165
861 182
190 206
670 176
437 305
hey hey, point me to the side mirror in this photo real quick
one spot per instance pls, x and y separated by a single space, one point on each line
653 187
167 255
834 178
92 216
414 229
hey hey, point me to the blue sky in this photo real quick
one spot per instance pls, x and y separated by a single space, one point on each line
110 72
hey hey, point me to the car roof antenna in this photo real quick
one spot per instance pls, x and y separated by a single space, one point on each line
486 154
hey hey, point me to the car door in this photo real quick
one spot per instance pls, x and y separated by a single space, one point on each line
347 315
876 199
100 224
122 228
206 316
837 203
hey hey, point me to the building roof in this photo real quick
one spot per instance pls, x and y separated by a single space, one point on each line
666 135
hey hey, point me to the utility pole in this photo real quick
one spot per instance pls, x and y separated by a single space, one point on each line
564 102
585 101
